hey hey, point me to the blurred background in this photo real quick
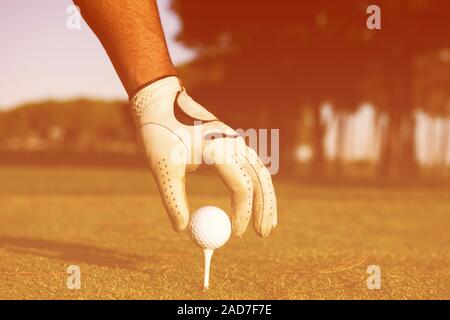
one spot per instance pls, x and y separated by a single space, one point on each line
364 119
350 102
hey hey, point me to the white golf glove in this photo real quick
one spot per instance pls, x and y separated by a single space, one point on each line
178 134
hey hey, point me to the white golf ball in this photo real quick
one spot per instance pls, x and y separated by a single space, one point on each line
210 227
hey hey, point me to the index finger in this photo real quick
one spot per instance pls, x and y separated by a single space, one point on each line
231 169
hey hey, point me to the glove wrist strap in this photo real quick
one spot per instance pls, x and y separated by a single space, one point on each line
154 92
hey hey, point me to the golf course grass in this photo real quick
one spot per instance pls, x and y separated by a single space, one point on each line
111 223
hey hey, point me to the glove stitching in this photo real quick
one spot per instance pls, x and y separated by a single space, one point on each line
260 185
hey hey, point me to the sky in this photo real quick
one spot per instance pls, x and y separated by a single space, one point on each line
41 58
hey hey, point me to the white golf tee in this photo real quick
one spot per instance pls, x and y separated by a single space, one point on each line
208 255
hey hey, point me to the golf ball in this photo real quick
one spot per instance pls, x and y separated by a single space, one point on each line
210 227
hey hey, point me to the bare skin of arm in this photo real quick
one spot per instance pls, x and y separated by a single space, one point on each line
132 35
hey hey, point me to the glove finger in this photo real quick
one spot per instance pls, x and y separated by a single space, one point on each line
231 169
264 199
167 156
170 178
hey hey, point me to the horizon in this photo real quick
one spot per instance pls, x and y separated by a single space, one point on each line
362 136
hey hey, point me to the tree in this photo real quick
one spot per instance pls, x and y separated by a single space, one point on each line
410 29
276 57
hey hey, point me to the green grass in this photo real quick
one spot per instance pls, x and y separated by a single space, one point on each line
111 223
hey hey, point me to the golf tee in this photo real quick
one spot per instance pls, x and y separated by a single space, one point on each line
208 255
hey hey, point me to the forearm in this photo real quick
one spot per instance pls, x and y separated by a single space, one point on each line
132 35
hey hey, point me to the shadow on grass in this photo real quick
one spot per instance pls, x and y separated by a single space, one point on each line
73 253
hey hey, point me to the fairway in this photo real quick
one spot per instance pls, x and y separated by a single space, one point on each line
111 223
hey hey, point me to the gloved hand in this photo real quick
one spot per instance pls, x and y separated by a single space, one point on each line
178 134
